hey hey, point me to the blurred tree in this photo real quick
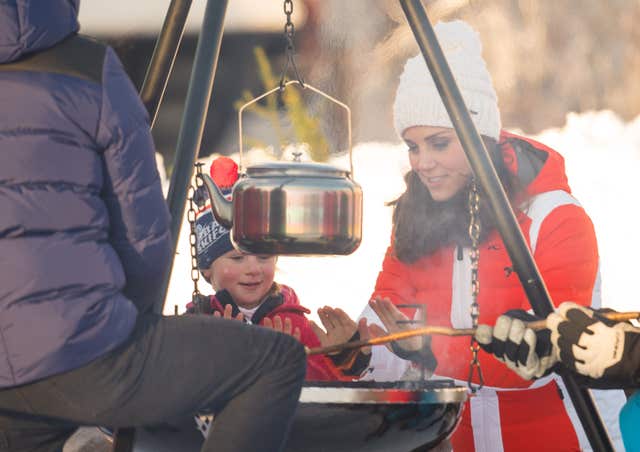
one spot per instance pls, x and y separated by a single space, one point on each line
289 104
546 58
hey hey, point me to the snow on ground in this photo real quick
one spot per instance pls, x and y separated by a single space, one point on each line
603 162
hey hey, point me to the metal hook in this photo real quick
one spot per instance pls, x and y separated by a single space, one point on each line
289 32
345 107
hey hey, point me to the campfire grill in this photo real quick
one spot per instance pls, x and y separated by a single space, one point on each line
347 416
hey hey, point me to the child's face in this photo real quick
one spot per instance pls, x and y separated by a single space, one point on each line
247 277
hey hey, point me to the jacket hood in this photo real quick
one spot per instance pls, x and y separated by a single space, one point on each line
538 167
30 25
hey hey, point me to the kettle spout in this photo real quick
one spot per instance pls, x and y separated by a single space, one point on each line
221 207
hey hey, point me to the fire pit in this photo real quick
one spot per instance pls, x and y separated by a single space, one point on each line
346 417
374 416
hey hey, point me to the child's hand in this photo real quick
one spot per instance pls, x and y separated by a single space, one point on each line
286 328
228 314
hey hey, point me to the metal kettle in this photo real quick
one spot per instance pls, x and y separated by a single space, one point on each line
291 208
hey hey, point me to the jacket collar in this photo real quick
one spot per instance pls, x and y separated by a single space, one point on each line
538 167
281 298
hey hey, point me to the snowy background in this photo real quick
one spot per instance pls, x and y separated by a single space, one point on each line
602 156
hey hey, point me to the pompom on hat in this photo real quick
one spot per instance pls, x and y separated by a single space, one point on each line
418 102
212 239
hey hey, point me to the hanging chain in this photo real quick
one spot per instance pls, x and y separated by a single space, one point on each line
474 234
191 217
289 50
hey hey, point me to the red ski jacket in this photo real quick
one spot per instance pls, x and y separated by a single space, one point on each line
563 243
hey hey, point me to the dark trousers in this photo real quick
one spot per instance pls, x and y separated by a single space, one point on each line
170 367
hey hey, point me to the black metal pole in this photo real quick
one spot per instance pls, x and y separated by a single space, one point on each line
164 55
508 227
194 118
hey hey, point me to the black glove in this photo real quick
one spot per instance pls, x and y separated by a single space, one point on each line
606 352
528 353
351 362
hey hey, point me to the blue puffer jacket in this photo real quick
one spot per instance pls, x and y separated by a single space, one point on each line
629 421
84 228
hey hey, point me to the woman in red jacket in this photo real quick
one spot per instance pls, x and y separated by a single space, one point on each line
428 262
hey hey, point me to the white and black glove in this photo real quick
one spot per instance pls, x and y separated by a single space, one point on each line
606 352
527 352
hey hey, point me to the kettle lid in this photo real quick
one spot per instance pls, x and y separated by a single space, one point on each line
298 169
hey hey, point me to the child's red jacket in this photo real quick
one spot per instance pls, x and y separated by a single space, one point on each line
282 302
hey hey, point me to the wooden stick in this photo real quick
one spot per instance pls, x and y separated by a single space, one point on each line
427 330
446 331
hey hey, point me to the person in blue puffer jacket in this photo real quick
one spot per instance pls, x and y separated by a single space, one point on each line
84 248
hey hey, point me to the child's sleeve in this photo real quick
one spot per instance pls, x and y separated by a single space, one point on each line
321 367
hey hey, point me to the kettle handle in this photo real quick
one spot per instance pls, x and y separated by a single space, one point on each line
306 85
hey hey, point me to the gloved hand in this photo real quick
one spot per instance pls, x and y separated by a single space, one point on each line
603 350
528 353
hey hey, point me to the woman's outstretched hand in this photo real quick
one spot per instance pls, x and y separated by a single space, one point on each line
338 327
416 349
390 315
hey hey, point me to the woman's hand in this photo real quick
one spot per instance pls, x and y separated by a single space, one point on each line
285 327
228 314
390 315
338 327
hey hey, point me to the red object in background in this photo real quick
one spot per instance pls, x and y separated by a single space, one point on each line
224 172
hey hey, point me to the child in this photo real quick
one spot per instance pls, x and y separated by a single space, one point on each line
245 289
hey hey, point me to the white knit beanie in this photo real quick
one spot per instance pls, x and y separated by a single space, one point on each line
418 102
